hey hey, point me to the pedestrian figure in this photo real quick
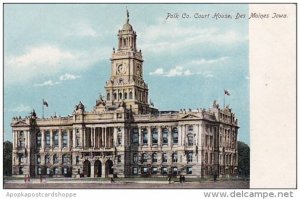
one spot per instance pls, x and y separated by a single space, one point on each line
41 179
169 179
215 177
112 180
25 178
180 178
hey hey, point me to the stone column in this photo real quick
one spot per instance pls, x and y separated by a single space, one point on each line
43 139
140 135
123 136
69 138
115 140
103 169
59 139
74 137
105 137
51 138
28 140
14 139
170 136
149 136
179 135
159 136
102 137
84 137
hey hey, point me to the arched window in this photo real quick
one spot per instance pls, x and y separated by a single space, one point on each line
55 138
190 156
175 135
47 159
120 96
154 136
135 136
48 138
125 95
130 95
145 136
65 138
154 157
39 139
108 96
77 159
55 159
174 157
190 139
174 171
165 135
144 157
164 157
115 96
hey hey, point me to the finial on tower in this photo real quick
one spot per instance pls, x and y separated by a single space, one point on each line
127 15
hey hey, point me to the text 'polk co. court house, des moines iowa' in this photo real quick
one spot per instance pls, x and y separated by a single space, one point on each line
125 135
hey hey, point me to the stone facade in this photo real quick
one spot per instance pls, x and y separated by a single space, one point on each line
124 135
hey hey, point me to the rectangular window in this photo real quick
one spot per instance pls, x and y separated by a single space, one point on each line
48 171
135 158
165 157
154 137
47 138
145 138
189 170
165 136
144 170
175 137
154 170
135 136
56 138
135 170
65 139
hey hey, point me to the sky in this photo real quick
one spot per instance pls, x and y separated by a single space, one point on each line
61 53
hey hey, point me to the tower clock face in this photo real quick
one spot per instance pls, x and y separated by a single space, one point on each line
121 68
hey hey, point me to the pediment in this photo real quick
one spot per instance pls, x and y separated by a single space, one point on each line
190 116
20 123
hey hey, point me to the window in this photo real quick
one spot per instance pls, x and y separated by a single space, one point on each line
135 158
175 135
165 136
165 157
55 159
39 139
115 96
190 128
125 95
120 95
20 170
65 170
65 159
119 139
174 171
47 159
135 136
145 136
144 157
38 159
48 171
77 159
130 95
190 139
55 138
119 158
190 156
144 170
154 170
154 136
21 134
55 170
48 138
164 170
39 170
135 170
108 96
65 139
189 170
77 141
154 157
174 157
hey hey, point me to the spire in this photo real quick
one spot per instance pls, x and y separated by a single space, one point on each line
127 15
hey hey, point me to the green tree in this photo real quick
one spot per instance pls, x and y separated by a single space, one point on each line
244 159
7 158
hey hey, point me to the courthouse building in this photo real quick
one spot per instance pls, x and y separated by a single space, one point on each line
124 135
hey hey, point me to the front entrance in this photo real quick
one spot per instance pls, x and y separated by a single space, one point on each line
87 168
109 168
98 168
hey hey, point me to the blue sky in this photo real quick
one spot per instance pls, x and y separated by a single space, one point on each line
61 52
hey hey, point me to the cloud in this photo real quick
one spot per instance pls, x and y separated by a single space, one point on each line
68 76
21 108
158 71
47 60
47 83
82 29
185 69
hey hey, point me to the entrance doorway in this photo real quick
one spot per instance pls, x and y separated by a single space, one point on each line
87 168
98 168
109 168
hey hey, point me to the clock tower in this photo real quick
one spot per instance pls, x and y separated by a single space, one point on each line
126 85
